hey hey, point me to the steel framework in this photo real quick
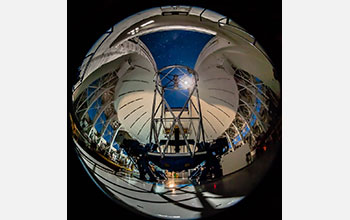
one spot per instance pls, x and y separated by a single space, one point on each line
159 122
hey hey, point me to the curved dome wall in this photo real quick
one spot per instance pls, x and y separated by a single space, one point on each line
218 96
134 98
237 53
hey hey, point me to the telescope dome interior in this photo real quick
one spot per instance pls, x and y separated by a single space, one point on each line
176 113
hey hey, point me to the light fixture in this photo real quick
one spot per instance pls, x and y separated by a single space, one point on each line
147 23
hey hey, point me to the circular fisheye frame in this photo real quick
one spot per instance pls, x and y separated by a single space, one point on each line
176 113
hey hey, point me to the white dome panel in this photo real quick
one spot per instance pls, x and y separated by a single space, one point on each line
219 99
134 98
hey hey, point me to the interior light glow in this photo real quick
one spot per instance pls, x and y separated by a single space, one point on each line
147 23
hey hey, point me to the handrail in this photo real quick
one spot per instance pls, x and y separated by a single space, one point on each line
80 137
113 163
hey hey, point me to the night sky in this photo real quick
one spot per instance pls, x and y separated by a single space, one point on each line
175 47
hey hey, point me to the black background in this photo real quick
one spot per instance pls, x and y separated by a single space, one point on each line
87 21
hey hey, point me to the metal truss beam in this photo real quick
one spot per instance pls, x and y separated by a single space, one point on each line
101 86
105 126
252 84
97 96
98 115
246 122
176 120
238 131
113 138
252 92
229 140
255 113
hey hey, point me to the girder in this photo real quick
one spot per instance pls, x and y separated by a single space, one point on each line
255 113
96 97
98 115
247 123
105 126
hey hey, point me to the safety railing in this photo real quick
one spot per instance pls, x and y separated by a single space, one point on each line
82 140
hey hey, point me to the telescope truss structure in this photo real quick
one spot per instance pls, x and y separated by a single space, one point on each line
177 77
